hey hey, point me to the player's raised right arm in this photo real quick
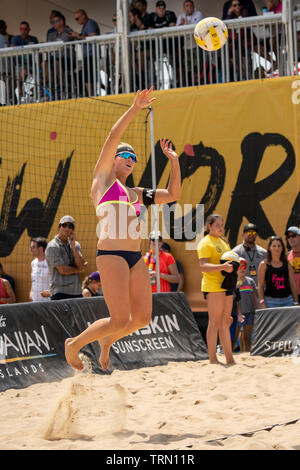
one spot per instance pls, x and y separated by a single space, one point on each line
109 149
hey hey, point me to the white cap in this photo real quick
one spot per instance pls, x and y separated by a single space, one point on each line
153 235
67 218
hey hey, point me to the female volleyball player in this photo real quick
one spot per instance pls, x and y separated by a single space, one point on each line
219 301
125 280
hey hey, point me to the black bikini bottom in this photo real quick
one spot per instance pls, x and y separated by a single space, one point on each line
132 257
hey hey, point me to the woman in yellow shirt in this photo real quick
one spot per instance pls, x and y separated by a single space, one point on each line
219 301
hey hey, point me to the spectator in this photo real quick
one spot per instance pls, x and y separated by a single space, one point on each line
114 22
8 278
190 15
253 253
40 276
7 295
276 283
162 18
247 8
135 20
4 37
24 67
293 238
89 28
53 14
65 261
141 5
24 38
274 6
167 265
61 61
91 285
219 300
175 286
60 32
235 10
247 304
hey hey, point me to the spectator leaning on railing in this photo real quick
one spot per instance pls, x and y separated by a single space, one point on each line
190 15
89 28
247 8
24 67
141 5
162 17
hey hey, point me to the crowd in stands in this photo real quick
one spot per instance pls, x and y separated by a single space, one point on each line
58 68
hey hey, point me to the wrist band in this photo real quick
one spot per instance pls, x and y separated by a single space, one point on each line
262 301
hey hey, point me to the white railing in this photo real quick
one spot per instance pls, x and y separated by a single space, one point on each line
257 47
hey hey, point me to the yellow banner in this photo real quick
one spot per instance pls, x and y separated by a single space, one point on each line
238 147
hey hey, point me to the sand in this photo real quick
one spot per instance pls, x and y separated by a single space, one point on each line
179 406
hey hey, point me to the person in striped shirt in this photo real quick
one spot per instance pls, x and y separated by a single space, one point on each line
246 305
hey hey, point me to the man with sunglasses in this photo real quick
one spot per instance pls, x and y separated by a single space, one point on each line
293 239
89 28
65 261
253 253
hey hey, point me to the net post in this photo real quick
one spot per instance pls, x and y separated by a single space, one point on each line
155 209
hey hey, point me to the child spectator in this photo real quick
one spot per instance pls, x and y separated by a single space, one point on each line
247 304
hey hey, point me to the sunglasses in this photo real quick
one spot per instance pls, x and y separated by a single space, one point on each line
293 235
251 233
68 224
127 155
275 237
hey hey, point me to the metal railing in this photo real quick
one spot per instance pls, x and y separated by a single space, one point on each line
257 47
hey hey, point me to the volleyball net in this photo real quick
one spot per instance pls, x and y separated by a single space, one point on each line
48 152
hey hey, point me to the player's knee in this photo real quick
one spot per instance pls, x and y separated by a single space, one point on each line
142 318
119 323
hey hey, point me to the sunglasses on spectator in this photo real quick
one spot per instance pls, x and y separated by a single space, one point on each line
251 232
275 237
78 17
68 224
236 4
291 235
114 19
23 28
127 155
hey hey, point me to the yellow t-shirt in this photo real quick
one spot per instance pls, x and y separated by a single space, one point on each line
212 248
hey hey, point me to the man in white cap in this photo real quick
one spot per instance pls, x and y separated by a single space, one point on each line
293 238
65 261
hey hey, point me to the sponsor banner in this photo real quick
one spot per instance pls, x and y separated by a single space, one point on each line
32 337
276 332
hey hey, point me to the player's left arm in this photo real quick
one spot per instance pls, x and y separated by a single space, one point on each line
172 193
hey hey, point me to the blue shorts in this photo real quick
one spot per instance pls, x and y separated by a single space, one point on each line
272 302
248 320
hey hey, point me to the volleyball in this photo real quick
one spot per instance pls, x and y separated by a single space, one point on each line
210 34
230 256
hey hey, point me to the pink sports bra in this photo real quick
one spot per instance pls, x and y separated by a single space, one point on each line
118 194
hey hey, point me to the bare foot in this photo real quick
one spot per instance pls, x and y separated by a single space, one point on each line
72 355
104 356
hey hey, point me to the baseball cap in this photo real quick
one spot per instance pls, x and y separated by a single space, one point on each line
293 229
67 218
249 227
153 237
95 276
161 3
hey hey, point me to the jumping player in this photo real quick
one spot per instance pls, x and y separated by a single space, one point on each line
125 280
